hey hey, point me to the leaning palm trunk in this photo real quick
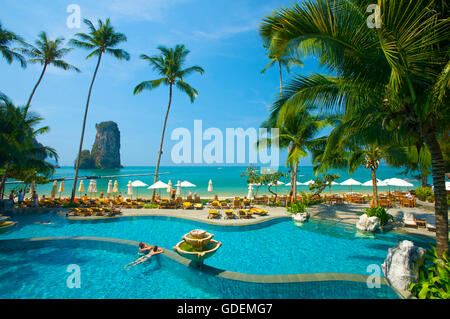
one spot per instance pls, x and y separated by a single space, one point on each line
162 141
77 166
4 178
294 183
440 194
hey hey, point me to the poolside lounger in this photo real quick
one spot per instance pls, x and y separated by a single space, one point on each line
213 213
242 213
258 211
409 220
229 213
198 205
431 226
187 205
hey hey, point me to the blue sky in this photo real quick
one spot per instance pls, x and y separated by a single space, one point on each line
221 35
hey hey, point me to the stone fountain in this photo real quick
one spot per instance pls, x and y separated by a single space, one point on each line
197 245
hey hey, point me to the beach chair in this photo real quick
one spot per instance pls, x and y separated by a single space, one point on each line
215 204
187 205
198 205
246 203
236 203
409 220
431 226
258 211
213 213
197 199
224 205
242 213
229 213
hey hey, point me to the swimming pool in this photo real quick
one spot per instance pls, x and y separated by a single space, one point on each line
276 247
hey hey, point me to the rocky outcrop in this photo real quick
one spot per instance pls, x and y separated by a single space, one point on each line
402 263
301 217
366 223
105 153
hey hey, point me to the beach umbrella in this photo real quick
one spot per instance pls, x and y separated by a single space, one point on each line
398 182
109 190
178 193
81 187
54 189
250 192
350 182
94 187
187 184
210 186
158 185
296 183
116 187
130 189
138 183
309 182
61 188
169 187
379 183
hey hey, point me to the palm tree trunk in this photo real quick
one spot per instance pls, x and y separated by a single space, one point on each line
5 176
440 193
424 178
162 140
281 80
295 181
374 186
33 91
77 165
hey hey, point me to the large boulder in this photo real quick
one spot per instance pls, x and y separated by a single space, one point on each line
366 223
402 263
301 217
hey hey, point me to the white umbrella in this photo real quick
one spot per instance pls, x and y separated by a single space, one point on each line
81 187
350 182
296 183
333 183
309 182
379 183
54 189
210 186
158 185
130 189
61 188
178 193
397 182
138 183
277 183
94 186
169 186
250 192
187 184
116 187
109 190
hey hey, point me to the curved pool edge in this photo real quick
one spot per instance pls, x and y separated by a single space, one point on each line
226 274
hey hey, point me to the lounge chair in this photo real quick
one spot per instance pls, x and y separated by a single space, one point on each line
229 213
213 214
431 226
215 204
187 205
258 211
409 220
242 213
224 205
237 203
198 205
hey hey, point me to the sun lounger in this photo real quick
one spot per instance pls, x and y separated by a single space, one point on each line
409 220
258 211
187 205
213 214
242 213
198 205
229 213
431 226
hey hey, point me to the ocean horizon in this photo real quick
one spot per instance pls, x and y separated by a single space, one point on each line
227 180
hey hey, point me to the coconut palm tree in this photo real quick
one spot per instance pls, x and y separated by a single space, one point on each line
101 40
169 64
46 52
7 38
402 68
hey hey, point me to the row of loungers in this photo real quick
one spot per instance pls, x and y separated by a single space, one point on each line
241 213
94 211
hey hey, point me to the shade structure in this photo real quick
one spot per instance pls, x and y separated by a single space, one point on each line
178 193
94 186
333 183
138 183
91 183
130 189
109 190
210 186
379 183
296 183
250 192
350 182
309 182
158 185
81 187
115 187
54 189
397 182
61 188
169 186
32 187
277 183
187 184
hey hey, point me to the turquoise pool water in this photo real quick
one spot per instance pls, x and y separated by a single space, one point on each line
271 248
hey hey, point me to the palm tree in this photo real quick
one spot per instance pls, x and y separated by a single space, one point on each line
7 38
401 68
102 40
297 133
169 64
46 52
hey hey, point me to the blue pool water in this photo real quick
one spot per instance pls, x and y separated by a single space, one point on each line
274 247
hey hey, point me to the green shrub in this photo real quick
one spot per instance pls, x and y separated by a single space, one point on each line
433 277
151 206
423 193
297 207
69 205
379 212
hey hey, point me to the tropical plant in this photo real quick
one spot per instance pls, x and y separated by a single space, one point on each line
46 52
321 183
423 193
379 212
297 207
434 277
8 38
402 69
102 40
169 64
269 179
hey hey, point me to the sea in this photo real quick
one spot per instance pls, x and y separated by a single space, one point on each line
226 180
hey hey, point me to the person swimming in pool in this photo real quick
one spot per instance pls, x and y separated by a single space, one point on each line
43 223
154 251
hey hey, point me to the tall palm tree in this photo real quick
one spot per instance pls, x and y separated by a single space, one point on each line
101 40
169 64
402 68
46 52
7 38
